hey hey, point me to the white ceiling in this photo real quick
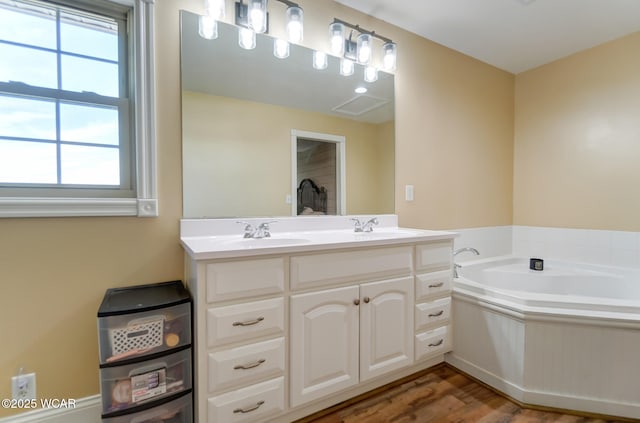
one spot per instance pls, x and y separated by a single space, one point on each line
514 35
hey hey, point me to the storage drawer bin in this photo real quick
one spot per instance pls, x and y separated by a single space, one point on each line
138 383
174 411
143 320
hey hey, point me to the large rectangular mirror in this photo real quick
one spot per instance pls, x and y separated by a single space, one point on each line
261 134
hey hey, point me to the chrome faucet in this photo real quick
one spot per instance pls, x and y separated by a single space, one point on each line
259 231
456 266
364 227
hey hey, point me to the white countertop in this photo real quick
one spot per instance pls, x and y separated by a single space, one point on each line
202 243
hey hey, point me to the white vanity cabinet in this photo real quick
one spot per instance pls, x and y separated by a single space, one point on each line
342 336
433 299
240 338
283 333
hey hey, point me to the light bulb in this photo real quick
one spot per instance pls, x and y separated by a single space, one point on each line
390 53
320 60
336 32
257 12
364 48
280 48
370 74
247 38
346 67
215 8
207 27
295 28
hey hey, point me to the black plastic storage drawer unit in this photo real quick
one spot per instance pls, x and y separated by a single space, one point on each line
144 336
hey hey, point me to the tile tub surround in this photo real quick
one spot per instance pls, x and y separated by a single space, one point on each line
610 248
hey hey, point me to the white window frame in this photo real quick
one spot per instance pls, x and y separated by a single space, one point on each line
141 21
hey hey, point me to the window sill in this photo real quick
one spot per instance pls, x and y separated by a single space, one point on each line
64 207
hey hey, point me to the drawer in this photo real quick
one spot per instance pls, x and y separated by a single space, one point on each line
434 256
324 269
247 364
133 335
175 411
241 279
136 384
430 284
436 341
432 313
252 404
244 321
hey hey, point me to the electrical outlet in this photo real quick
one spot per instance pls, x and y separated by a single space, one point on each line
24 386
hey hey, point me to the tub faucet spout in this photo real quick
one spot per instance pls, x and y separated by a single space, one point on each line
456 266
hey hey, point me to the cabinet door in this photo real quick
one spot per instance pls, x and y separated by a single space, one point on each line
324 343
386 326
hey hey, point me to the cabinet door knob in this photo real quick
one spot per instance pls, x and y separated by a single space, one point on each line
356 301
367 299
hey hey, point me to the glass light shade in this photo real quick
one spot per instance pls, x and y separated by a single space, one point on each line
320 60
207 27
336 32
295 24
390 54
257 15
347 67
370 74
280 48
247 38
364 48
215 8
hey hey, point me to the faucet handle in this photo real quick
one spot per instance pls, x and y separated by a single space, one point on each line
358 224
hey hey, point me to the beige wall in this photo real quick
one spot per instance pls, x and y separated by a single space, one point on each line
255 159
454 138
577 140
453 142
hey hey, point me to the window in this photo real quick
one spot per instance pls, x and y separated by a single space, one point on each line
76 108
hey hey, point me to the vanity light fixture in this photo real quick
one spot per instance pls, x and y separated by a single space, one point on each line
208 24
390 53
215 8
208 27
247 38
320 60
370 74
362 50
257 15
295 22
346 67
280 48
336 32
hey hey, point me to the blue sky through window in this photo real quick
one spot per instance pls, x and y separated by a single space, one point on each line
38 134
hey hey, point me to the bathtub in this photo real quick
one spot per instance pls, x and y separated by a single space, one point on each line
566 337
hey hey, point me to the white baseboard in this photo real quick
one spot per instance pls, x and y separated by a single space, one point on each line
547 399
86 410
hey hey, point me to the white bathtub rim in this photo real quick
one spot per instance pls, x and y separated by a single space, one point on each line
525 312
548 399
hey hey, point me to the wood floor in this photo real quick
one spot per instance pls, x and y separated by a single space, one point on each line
442 395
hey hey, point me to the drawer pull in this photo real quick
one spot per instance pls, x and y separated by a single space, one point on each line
436 314
436 285
248 410
249 322
249 366
437 344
